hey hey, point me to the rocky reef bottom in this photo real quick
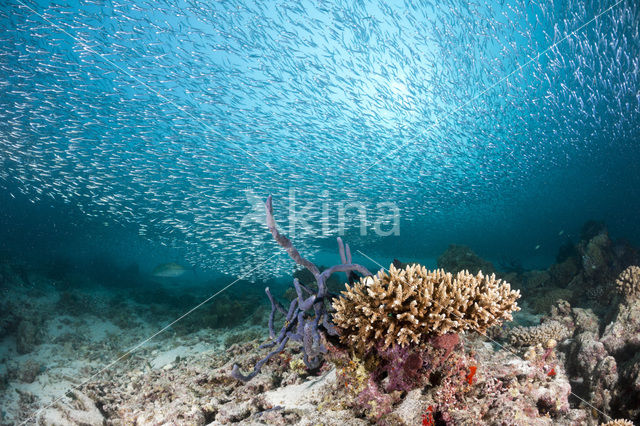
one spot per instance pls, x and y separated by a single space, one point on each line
184 378
191 385
581 378
72 354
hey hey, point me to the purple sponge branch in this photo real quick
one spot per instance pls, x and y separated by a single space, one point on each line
285 243
304 304
300 324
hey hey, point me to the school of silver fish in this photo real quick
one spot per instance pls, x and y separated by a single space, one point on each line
179 116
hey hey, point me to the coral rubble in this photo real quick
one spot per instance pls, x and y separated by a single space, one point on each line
618 422
81 411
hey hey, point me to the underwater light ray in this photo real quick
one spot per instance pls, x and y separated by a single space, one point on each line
86 47
497 343
488 89
144 342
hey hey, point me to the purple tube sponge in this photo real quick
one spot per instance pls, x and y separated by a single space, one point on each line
307 320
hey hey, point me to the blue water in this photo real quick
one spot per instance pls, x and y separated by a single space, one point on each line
133 134
152 127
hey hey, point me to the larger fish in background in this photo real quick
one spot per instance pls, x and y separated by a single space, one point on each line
170 270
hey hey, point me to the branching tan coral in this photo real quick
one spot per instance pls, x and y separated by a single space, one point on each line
618 422
411 304
628 282
527 336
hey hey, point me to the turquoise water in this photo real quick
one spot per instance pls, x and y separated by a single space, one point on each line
134 134
162 126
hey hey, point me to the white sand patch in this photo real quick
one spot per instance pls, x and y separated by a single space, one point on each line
98 330
164 358
301 396
72 347
61 368
59 326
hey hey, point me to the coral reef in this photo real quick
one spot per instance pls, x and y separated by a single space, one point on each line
184 378
563 272
596 256
400 331
458 258
544 298
447 385
536 279
604 370
628 282
407 306
300 325
551 330
585 273
592 228
623 334
574 367
601 261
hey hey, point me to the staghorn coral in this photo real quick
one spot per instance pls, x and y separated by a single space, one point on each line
527 336
407 306
628 282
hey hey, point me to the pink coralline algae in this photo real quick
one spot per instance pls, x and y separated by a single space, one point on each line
405 368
